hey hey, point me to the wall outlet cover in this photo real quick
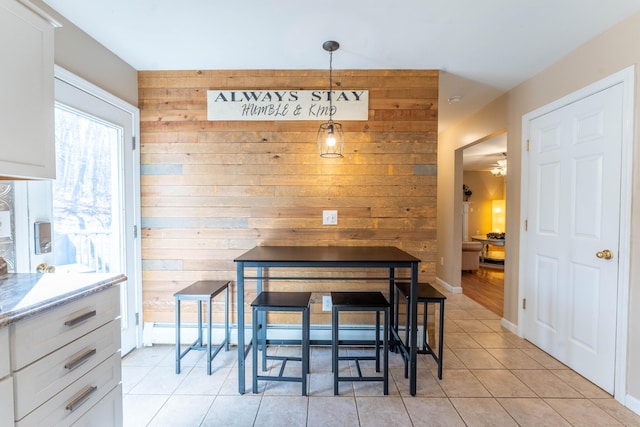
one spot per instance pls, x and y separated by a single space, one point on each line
326 303
330 217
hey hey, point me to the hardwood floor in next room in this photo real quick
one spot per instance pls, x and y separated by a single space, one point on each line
486 287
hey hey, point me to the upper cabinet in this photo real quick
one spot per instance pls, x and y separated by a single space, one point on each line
27 146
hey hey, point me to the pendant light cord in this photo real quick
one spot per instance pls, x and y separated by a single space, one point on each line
331 86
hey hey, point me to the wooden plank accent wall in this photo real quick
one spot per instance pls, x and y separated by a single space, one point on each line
211 190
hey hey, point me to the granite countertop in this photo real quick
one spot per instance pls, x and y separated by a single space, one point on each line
27 294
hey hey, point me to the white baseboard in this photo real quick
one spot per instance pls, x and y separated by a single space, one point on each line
633 403
511 327
448 287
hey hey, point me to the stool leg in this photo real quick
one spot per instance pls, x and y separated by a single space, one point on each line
305 349
406 338
385 353
254 352
200 343
263 338
226 318
177 335
334 348
424 326
378 340
396 312
209 306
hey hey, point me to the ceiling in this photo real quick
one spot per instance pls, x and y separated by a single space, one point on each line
483 48
485 155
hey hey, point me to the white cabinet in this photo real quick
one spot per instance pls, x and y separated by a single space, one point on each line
6 401
57 327
107 412
36 383
27 147
6 381
5 367
63 376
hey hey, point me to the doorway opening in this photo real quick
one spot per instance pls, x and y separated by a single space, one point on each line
484 169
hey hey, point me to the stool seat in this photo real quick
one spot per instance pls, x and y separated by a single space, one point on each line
360 301
280 301
425 291
426 294
203 291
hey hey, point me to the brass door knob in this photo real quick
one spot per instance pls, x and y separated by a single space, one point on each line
606 254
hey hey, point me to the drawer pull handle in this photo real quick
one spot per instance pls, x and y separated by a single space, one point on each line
82 398
80 360
80 319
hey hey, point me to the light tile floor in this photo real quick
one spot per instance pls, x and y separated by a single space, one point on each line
491 378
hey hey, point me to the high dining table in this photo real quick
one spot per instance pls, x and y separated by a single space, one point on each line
384 258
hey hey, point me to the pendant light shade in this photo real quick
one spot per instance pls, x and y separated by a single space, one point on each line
330 138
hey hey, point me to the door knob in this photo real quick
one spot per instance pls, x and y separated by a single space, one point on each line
606 254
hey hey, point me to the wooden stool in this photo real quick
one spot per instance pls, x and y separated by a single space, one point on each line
204 290
426 294
360 301
280 301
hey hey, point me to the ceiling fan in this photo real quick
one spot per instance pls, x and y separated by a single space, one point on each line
500 169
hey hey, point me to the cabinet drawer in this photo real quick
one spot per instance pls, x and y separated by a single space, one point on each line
41 380
40 335
107 412
5 367
70 404
6 402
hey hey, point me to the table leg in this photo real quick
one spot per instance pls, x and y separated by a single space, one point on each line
177 335
200 342
413 350
209 307
440 339
261 343
226 317
393 320
240 308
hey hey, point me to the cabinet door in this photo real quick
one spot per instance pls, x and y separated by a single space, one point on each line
6 402
5 368
107 412
27 147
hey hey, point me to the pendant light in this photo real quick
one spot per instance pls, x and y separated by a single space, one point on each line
330 138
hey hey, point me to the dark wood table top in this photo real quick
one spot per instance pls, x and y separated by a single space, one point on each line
348 254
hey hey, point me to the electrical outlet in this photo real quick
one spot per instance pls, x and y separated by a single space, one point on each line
329 217
326 303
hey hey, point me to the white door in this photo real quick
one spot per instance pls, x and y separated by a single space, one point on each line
574 165
94 197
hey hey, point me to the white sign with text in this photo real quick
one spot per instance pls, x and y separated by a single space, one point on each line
258 104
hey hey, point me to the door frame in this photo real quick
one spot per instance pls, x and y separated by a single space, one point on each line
626 77
132 219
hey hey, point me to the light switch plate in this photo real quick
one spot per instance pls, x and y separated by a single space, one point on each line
330 217
326 303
